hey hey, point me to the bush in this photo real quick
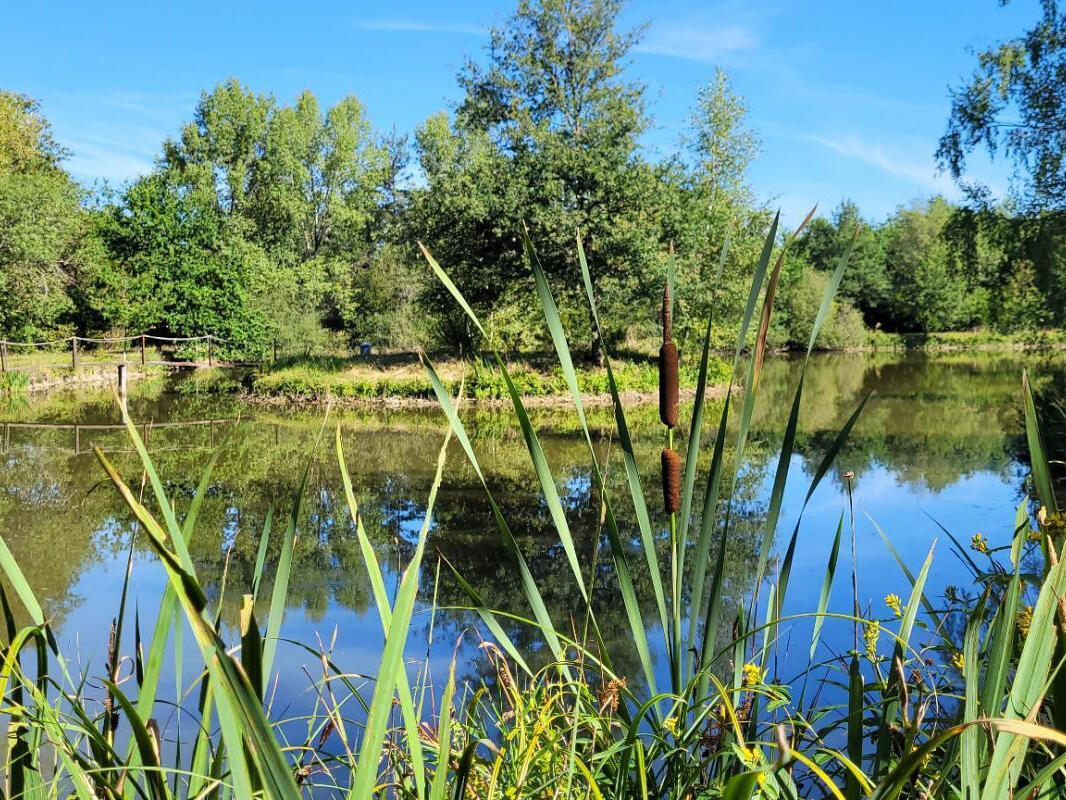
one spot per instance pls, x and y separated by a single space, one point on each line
844 327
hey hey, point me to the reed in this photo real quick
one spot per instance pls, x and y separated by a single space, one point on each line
956 701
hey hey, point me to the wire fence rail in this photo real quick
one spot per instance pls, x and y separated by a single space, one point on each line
78 430
182 351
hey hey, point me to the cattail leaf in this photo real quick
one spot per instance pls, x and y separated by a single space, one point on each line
618 553
827 585
1045 489
529 584
381 601
625 440
370 752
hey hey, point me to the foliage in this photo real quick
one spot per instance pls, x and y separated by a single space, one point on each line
46 237
548 137
844 327
1014 102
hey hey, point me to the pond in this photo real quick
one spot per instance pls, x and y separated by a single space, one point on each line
939 448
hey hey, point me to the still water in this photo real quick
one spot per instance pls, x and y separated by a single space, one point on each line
939 444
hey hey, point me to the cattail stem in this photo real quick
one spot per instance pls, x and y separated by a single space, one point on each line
668 367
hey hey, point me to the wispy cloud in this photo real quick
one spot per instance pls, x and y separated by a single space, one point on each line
920 171
696 43
393 25
92 161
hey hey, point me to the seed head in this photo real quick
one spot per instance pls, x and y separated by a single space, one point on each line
671 474
668 384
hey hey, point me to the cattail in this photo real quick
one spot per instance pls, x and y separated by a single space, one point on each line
668 379
668 384
671 469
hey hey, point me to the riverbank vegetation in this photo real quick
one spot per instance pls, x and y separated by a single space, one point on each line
937 697
270 222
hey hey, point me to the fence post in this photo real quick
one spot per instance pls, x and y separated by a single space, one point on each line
142 349
74 352
210 350
275 348
3 356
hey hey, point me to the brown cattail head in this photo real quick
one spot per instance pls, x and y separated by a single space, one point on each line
667 314
668 384
671 469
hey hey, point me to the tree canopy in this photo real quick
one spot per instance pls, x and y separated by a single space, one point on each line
298 223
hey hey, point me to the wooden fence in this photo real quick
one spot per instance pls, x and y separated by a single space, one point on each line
132 347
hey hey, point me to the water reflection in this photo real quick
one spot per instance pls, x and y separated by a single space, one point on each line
940 439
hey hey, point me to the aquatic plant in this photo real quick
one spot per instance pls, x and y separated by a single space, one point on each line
965 701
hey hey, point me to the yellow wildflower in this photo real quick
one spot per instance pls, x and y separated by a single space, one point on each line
1025 620
753 674
958 660
870 634
979 543
893 602
670 723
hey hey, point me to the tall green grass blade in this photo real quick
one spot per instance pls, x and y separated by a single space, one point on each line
381 601
970 760
1001 648
629 460
283 570
1029 685
1045 489
529 584
696 427
366 770
827 586
536 452
261 553
240 710
621 564
439 785
153 666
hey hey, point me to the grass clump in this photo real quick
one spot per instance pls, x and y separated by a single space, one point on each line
321 379
963 701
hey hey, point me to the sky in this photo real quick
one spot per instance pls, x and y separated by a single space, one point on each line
848 99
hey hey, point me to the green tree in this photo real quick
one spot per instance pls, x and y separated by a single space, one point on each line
546 135
865 281
280 206
929 289
47 248
1015 103
187 273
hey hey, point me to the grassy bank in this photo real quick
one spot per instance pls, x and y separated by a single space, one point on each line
960 696
984 339
402 378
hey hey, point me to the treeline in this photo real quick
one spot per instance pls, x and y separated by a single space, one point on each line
932 266
265 221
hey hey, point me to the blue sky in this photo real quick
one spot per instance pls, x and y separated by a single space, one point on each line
849 98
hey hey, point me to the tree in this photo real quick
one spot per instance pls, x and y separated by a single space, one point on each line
865 282
187 274
46 236
286 200
929 290
1015 102
547 136
719 143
